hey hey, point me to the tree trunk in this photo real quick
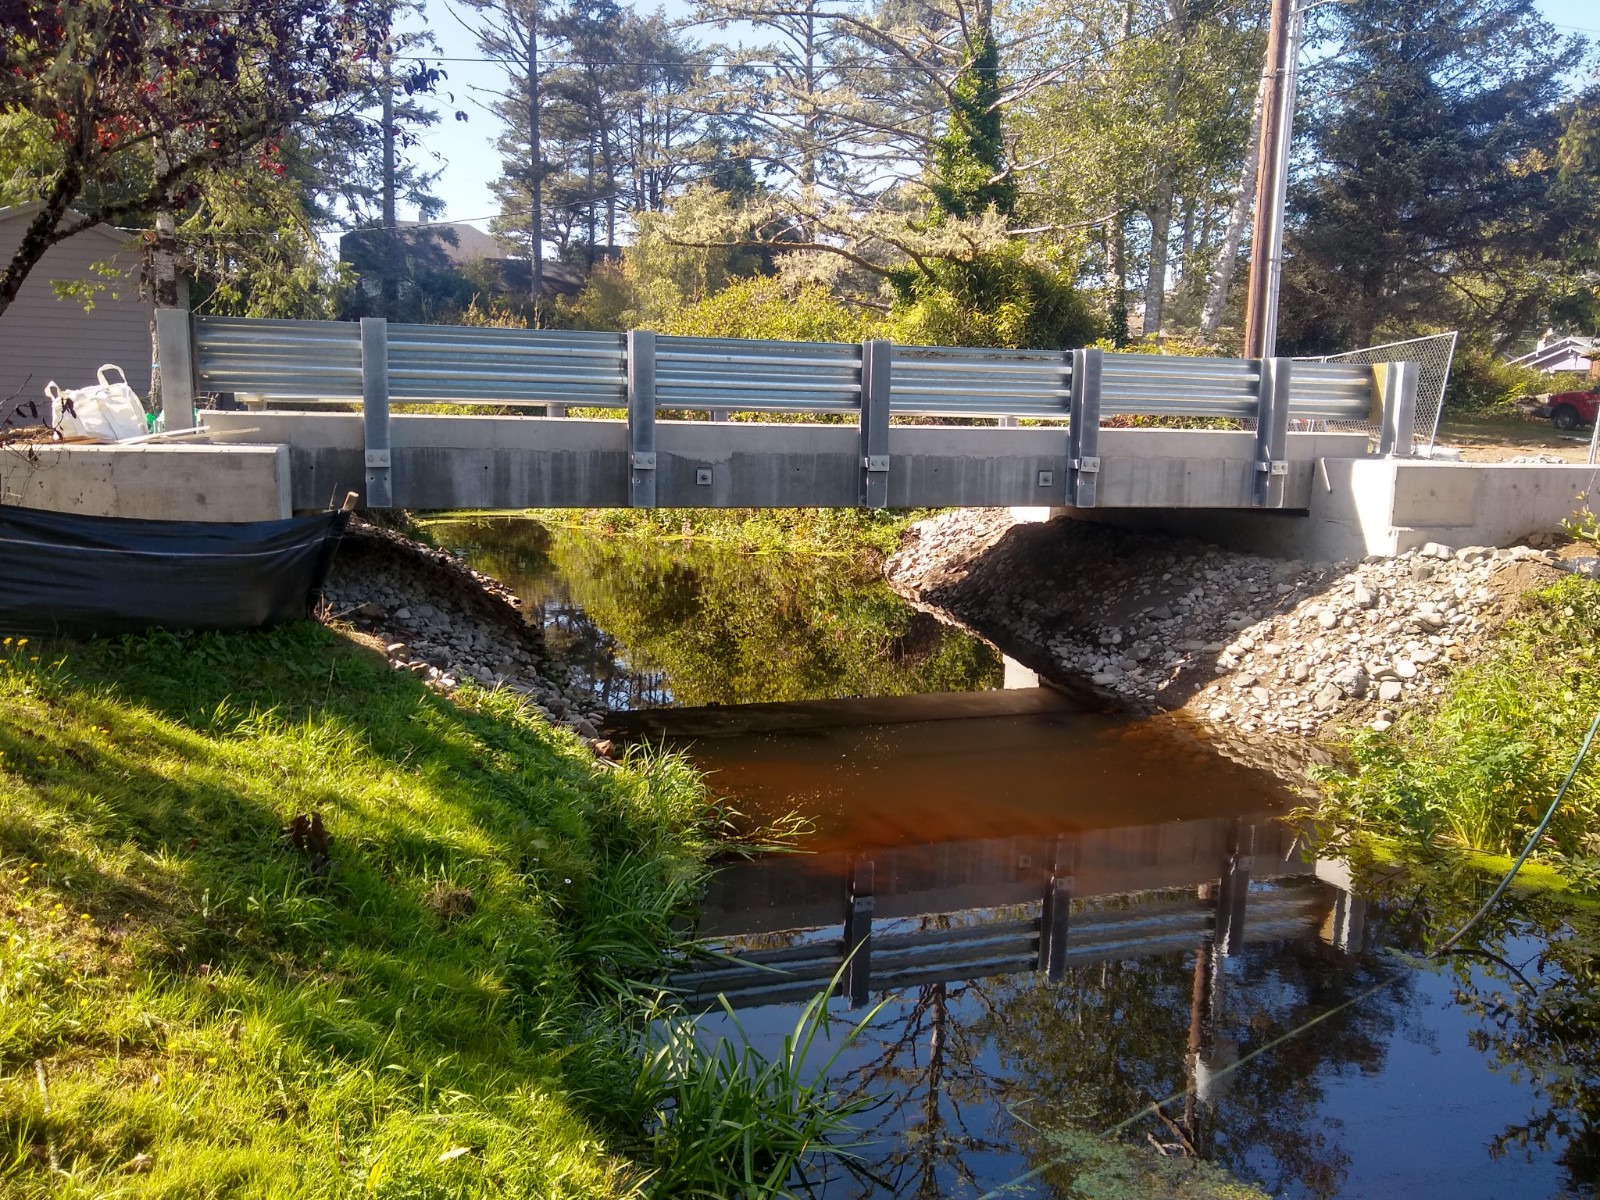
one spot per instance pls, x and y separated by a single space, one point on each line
1186 232
1233 232
593 216
808 153
536 172
1116 280
1155 290
1159 210
391 223
39 236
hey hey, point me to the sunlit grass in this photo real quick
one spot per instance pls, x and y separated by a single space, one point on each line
1478 769
437 1010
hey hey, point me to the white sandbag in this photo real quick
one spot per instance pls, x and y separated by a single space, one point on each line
107 412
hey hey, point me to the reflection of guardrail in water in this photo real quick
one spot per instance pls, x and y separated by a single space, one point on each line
1047 934
1006 945
376 364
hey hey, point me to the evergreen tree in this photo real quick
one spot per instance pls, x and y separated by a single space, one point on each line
1432 201
970 175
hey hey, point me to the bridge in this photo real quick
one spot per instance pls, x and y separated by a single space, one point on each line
856 427
449 417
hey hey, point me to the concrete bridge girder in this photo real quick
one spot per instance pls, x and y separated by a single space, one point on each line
442 462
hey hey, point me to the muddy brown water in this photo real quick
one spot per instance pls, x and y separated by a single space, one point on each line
1062 916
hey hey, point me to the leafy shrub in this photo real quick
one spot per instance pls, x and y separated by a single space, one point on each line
763 308
1480 379
1002 298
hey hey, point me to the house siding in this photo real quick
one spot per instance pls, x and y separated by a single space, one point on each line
43 338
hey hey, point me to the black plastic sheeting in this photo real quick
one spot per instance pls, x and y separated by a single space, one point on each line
66 573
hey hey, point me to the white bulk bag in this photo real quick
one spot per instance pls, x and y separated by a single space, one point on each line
107 412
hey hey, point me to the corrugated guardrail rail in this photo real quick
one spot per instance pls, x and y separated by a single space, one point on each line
903 955
322 360
373 364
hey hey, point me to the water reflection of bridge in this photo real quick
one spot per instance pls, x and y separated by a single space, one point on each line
922 914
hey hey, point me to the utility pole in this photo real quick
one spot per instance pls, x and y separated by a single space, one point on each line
1272 181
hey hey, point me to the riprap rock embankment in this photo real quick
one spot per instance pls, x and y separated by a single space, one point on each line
1249 644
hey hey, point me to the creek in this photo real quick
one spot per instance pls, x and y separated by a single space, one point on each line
1059 915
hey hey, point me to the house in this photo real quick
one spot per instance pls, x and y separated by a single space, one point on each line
44 337
447 262
1567 352
462 244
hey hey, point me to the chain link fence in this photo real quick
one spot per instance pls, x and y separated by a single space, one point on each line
1433 355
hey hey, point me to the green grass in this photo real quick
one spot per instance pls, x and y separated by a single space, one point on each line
733 1122
190 1006
1479 768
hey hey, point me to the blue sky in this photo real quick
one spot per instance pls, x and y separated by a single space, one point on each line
470 163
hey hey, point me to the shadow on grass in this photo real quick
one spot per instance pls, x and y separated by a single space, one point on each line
489 890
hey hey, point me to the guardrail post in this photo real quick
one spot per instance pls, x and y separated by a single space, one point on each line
1083 434
175 348
1055 915
1272 433
876 358
642 418
1395 388
1231 897
375 411
859 907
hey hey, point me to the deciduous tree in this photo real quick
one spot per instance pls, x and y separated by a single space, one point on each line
142 100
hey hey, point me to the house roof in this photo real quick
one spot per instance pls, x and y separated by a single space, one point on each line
1559 350
469 242
22 212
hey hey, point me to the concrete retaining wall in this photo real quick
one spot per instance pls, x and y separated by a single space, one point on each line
1360 507
159 481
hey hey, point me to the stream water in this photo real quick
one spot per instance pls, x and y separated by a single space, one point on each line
1060 916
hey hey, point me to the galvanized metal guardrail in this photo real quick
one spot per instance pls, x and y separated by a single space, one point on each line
376 363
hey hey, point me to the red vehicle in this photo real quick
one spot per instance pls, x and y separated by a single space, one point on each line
1568 410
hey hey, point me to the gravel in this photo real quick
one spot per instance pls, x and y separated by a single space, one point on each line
1249 644
446 623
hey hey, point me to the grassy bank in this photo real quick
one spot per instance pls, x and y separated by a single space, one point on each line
432 1000
1478 768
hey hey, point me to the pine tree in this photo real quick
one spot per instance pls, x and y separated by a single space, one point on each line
1432 203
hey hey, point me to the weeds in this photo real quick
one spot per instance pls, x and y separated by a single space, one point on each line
725 1120
1583 526
1479 768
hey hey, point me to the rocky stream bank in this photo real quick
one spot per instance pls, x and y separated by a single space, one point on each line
433 615
1244 644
